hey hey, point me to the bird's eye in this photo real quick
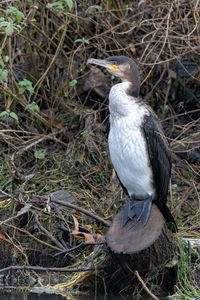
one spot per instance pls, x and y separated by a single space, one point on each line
114 62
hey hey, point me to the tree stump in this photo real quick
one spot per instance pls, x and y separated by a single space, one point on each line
147 250
134 237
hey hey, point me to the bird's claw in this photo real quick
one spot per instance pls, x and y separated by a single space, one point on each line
139 208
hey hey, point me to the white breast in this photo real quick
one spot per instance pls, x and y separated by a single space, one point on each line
127 146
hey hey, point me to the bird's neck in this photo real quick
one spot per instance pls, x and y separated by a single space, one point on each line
132 89
121 102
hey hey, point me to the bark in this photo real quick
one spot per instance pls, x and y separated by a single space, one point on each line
145 250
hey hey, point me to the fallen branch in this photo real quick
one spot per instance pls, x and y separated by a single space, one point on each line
50 136
77 247
43 269
83 210
144 286
45 244
22 211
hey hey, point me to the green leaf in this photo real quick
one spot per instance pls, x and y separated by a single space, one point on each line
3 75
9 30
13 115
11 10
98 7
174 186
84 133
2 63
4 23
26 85
181 143
128 8
21 90
6 58
32 106
57 5
4 113
73 83
70 4
40 154
83 41
14 11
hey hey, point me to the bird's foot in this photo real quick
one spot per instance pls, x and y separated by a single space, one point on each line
141 209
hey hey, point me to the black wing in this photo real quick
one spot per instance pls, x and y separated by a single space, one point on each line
160 160
159 155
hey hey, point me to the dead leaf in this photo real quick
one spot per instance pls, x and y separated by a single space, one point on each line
76 224
81 158
77 216
88 226
2 236
172 263
59 126
89 238
24 209
132 48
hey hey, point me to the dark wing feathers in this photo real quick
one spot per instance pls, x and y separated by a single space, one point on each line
160 160
160 156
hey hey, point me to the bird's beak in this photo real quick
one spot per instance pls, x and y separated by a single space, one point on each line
103 63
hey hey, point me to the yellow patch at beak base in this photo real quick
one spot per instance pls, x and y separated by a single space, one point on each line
114 67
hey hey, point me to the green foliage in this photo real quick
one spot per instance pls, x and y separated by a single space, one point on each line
6 58
184 273
58 5
40 154
181 143
9 23
3 75
84 133
69 3
25 85
4 113
73 83
16 14
61 5
9 26
83 41
128 8
10 114
32 106
98 7
13 115
3 71
174 186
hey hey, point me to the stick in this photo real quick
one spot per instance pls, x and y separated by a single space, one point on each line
83 210
42 269
144 286
77 247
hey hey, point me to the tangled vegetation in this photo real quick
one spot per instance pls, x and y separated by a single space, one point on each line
54 118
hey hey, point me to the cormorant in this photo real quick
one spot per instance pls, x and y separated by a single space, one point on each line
138 148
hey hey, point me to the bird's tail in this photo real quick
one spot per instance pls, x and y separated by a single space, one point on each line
171 223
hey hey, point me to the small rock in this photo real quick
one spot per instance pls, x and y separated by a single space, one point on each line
63 195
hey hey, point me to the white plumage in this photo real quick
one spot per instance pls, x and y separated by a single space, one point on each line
138 148
127 146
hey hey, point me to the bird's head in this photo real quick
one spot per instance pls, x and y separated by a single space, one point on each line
120 66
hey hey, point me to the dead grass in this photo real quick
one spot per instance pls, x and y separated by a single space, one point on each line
64 145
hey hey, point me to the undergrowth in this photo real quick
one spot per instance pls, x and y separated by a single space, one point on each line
54 116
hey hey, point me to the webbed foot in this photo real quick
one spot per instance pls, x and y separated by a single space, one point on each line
141 209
